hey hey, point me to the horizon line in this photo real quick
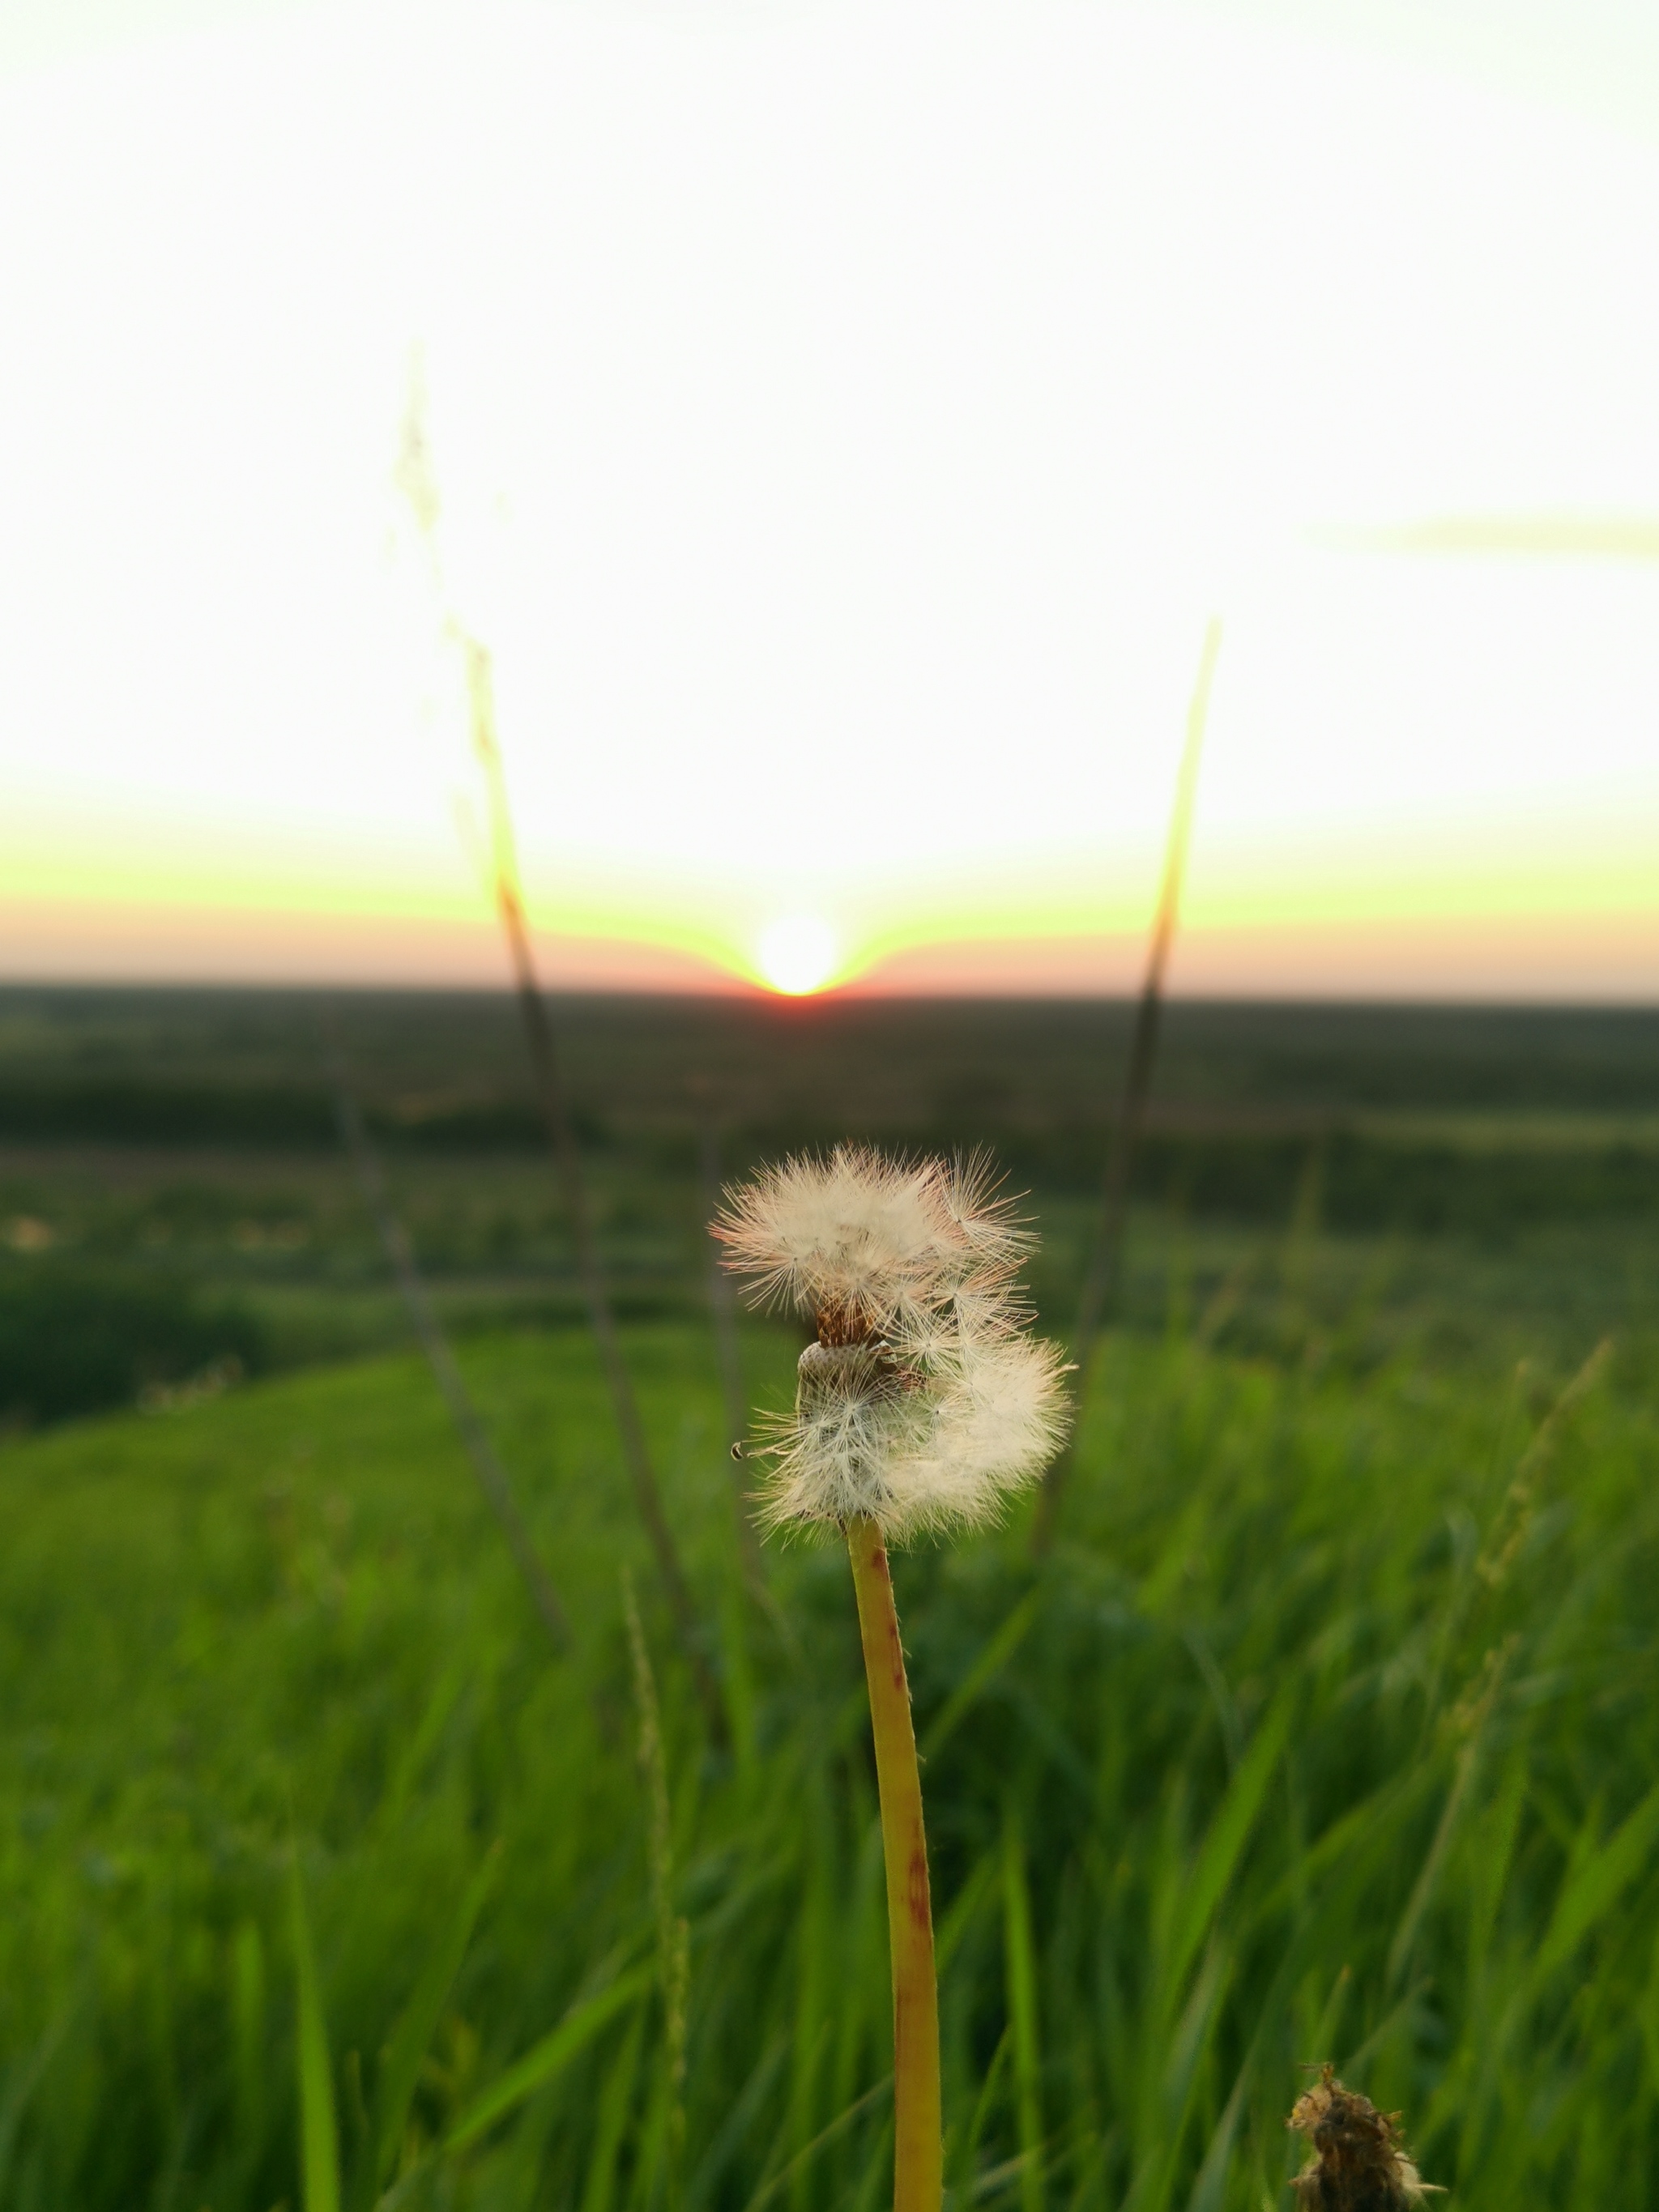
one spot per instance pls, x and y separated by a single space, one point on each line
801 1005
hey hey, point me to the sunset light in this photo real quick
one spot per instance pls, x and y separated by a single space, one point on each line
798 954
843 544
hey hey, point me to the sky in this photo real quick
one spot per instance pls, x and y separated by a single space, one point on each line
845 420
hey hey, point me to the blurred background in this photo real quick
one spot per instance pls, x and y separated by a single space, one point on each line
746 489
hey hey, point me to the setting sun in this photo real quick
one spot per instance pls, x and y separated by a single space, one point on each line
798 954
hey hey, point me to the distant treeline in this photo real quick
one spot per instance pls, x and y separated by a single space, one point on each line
136 1110
1355 1179
763 1061
127 1110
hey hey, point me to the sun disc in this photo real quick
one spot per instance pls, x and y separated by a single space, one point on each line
798 954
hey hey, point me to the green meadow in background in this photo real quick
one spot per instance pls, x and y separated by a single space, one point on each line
1330 1729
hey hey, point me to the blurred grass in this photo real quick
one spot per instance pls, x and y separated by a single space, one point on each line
280 1251
1328 1731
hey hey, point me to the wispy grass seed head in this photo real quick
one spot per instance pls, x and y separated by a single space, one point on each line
924 1404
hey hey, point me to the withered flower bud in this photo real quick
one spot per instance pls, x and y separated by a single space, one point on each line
1359 2163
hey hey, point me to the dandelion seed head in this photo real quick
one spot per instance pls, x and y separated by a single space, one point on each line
867 1238
924 1403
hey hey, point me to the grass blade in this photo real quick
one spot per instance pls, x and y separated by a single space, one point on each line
320 2141
1021 1962
547 2059
1590 1892
989 1664
400 2064
1228 1834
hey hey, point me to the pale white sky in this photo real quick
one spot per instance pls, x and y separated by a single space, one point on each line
847 417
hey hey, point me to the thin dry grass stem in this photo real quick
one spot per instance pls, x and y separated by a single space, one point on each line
1512 1524
555 1114
1465 1724
1359 2162
1514 1520
1100 1282
416 479
673 1931
723 1309
481 1453
1228 1297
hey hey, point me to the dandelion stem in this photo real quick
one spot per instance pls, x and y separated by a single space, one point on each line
918 2133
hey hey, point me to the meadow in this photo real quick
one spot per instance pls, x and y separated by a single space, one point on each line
1326 1731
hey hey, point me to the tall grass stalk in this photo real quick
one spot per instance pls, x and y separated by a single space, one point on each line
1105 1258
319 2137
723 1312
673 1933
418 480
492 1476
556 1112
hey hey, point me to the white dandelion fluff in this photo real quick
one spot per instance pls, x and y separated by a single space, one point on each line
864 1242
924 1404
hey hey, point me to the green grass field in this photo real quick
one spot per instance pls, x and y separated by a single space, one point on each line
1328 1731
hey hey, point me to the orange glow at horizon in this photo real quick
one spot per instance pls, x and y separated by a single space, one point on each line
1611 957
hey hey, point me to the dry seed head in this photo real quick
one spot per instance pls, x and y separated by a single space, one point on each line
862 1242
1359 2162
924 1403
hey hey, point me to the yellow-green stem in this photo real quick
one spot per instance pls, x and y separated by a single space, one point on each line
918 2132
